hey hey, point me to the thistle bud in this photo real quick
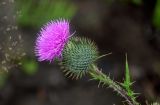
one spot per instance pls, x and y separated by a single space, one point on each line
78 56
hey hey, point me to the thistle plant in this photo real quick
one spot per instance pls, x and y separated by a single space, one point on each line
78 56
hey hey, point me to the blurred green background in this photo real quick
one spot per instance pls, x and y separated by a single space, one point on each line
117 26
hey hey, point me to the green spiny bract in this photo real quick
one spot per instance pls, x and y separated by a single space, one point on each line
78 56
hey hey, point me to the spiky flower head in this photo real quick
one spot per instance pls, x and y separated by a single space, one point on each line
51 40
78 56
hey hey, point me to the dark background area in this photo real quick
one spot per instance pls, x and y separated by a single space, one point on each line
117 26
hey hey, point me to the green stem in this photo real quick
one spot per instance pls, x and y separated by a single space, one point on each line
96 74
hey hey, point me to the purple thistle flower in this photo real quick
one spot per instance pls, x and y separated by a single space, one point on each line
51 40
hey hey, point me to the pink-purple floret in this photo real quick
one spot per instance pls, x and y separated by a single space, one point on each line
51 40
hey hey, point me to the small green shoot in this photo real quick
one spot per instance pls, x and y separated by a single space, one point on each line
128 83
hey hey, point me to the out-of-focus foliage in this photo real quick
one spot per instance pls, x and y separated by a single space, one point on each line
155 103
156 67
37 12
3 78
11 52
29 66
137 2
156 15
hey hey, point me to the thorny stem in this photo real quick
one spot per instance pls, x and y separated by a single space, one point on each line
96 74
